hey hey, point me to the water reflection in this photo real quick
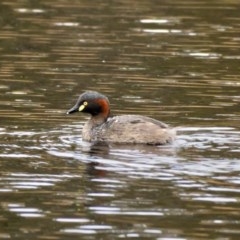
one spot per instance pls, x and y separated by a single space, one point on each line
124 182
174 61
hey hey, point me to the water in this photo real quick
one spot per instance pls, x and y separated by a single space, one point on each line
175 61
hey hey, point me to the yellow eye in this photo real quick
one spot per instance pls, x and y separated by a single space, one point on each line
83 106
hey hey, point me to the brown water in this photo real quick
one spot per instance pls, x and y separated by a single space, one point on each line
176 61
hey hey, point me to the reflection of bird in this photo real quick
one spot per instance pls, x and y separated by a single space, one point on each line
92 169
119 129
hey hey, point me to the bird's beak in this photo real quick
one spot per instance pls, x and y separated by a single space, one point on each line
73 109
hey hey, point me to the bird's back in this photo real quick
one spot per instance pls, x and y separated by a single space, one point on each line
134 129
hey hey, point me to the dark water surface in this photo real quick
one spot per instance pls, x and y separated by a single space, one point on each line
176 61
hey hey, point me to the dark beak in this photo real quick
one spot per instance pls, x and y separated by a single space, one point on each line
73 109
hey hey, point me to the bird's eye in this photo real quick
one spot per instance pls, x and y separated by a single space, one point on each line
82 106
